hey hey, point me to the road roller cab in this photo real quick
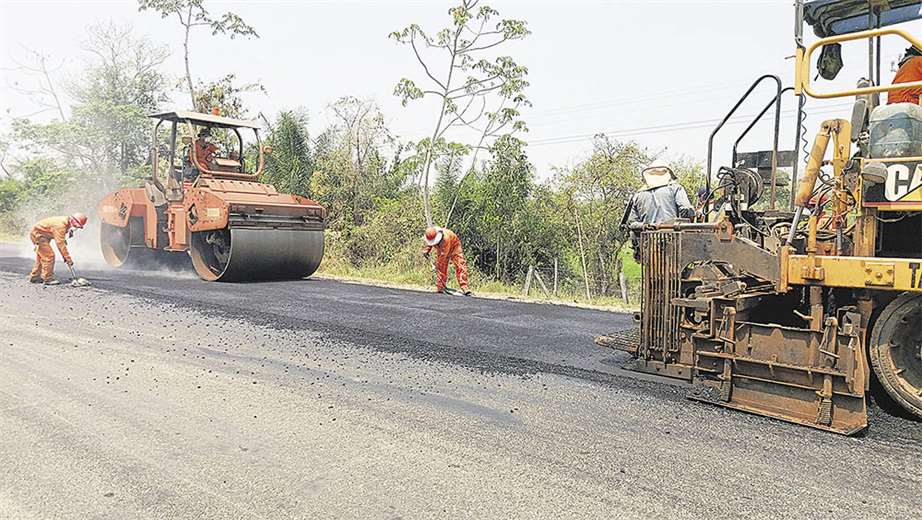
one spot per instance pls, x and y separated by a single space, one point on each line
203 202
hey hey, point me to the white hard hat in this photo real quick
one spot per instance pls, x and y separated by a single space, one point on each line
432 236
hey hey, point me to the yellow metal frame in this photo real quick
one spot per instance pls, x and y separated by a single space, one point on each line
802 70
890 274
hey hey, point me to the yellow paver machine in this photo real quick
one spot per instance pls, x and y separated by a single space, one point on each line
784 311
201 201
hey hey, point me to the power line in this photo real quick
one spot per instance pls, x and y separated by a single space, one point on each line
672 127
632 100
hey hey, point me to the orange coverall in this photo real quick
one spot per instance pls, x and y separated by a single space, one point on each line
204 153
909 71
51 228
449 250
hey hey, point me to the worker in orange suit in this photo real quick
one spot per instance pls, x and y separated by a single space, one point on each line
447 246
205 150
910 70
58 229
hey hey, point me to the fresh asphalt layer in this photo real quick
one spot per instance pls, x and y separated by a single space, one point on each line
156 395
484 333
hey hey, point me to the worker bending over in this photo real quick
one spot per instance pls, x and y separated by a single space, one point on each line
46 230
661 199
447 246
910 70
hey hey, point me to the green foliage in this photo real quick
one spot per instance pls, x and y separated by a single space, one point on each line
225 95
476 90
103 142
108 131
290 165
10 192
391 235
597 191
192 14
358 163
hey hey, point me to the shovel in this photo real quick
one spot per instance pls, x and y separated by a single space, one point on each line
76 281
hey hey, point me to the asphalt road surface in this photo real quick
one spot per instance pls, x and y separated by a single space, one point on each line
161 396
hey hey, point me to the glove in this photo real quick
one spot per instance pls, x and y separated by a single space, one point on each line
70 263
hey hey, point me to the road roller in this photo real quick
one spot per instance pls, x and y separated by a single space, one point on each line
203 205
800 309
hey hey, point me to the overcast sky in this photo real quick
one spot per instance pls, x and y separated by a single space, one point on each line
625 67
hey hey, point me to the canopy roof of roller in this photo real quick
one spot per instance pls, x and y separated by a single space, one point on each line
834 17
206 119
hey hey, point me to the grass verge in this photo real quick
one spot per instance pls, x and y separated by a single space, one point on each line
422 280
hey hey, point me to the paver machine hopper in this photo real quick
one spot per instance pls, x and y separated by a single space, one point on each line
792 310
203 202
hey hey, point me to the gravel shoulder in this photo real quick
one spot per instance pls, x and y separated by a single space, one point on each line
163 397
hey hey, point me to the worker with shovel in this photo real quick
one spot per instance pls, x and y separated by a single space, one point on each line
58 229
447 246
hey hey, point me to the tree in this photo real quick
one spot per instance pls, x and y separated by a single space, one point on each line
355 166
361 129
504 190
41 87
226 96
99 134
598 189
192 14
4 153
290 165
122 84
475 90
105 130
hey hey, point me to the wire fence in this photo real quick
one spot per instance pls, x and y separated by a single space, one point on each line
555 282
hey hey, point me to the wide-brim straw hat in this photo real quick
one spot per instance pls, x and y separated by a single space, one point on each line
656 174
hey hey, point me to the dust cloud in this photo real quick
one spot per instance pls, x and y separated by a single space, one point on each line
84 245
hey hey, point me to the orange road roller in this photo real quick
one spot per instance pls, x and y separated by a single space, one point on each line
201 203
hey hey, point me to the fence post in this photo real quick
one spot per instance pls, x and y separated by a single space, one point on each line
528 277
555 276
541 283
582 253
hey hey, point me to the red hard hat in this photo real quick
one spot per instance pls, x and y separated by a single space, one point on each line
77 220
433 236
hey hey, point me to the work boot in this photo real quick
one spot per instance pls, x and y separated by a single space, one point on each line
52 282
35 279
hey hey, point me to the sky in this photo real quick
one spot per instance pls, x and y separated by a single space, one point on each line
658 72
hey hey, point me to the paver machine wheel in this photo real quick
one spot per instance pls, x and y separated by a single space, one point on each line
896 351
